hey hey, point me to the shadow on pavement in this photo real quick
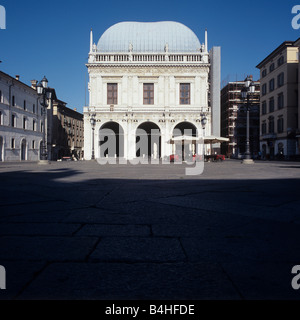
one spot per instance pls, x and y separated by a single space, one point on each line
76 234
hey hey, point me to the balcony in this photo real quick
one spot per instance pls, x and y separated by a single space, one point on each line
268 136
147 109
147 58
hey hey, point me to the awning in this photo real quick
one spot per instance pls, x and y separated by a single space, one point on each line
180 139
214 139
207 139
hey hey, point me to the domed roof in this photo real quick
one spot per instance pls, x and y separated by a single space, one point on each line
148 37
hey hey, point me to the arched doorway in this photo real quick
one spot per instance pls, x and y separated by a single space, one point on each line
148 140
1 149
23 150
111 140
185 148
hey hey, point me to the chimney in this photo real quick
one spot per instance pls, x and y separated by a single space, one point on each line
17 77
33 84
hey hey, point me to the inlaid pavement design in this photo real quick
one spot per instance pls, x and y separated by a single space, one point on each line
80 230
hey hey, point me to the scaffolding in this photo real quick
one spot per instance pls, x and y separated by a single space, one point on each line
233 120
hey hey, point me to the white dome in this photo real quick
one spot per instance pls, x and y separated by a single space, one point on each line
148 37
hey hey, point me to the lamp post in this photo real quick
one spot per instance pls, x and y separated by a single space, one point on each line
203 122
44 94
246 93
93 123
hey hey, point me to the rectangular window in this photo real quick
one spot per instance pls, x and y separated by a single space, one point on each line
280 79
272 67
112 93
1 96
13 102
271 105
24 123
24 105
148 93
13 120
280 125
33 144
264 107
271 85
264 89
33 108
280 101
185 93
1 118
280 61
264 73
263 128
34 125
271 125
12 143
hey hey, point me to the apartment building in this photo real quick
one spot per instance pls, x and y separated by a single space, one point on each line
279 114
21 120
67 134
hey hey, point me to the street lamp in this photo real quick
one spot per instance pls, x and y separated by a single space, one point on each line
44 94
93 123
246 93
203 122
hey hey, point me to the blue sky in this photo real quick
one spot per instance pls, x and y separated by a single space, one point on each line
52 37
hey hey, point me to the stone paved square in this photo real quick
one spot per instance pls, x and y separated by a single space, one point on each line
80 230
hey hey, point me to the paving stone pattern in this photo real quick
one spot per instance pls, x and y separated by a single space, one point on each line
80 230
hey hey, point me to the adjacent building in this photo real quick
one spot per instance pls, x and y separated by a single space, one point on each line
150 77
22 124
234 120
279 114
68 134
21 120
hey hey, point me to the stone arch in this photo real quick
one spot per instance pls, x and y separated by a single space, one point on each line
148 140
111 140
185 149
185 125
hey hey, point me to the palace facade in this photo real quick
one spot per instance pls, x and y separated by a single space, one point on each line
150 77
